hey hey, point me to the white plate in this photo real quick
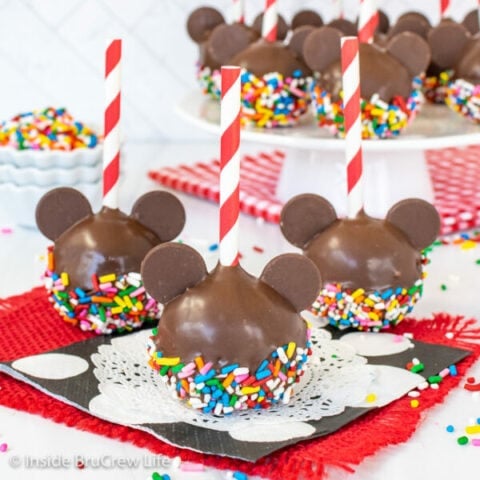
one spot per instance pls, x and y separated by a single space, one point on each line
47 159
435 127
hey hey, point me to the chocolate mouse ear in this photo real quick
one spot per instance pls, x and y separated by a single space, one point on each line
347 27
161 212
228 40
295 278
298 38
411 22
322 48
282 27
383 22
418 219
169 269
470 22
304 216
306 17
447 41
59 209
202 21
411 50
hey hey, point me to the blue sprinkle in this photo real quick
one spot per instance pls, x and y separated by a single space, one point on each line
262 366
239 476
79 292
217 394
213 247
229 368
84 300
387 293
55 277
453 370
204 378
450 428
263 374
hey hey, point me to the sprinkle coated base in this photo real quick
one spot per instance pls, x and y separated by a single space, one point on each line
116 304
267 102
464 98
435 89
379 119
233 387
358 309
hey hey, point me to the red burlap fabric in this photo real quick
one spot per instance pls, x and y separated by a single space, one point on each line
29 325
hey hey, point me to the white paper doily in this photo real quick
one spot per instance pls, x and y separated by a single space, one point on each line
133 393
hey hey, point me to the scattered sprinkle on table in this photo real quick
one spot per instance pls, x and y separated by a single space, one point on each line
3 447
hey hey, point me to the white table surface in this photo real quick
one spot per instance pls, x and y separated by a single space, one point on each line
431 453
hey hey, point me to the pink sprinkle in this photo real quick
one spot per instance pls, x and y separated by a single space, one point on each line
138 292
476 442
3 447
206 368
150 304
398 338
241 378
6 231
192 467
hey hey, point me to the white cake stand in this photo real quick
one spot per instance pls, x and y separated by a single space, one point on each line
315 162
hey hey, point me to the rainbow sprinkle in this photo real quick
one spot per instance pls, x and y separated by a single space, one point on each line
47 129
435 88
366 311
379 119
464 98
209 81
233 387
116 304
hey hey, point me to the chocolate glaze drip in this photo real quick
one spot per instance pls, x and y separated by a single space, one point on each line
380 72
264 57
106 242
229 317
365 252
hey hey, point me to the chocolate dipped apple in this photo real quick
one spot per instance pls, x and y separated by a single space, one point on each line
229 341
389 84
372 269
93 274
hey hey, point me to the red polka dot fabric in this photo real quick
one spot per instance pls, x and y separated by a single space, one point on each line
455 174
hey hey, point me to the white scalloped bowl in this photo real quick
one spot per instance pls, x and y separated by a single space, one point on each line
51 159
18 204
51 177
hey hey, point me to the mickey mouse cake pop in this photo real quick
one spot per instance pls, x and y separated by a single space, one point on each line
227 340
390 89
93 274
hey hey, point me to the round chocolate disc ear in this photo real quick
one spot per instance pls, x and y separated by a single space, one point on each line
306 17
59 209
383 22
411 50
304 216
226 41
470 22
202 21
347 27
295 278
169 269
418 219
282 26
447 41
411 22
161 212
321 48
298 39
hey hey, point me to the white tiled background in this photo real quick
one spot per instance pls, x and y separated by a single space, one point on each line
51 53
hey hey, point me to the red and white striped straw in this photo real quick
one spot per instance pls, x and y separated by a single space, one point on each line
270 21
367 20
239 11
353 125
338 9
111 142
445 9
229 165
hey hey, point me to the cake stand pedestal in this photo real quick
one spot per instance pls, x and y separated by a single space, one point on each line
315 162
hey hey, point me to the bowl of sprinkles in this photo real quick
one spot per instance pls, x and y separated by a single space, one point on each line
379 119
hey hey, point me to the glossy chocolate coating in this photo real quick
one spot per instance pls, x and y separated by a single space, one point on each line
202 21
380 73
471 23
468 67
106 242
411 22
306 17
264 57
229 317
365 253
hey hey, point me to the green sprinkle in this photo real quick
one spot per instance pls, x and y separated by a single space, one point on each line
177 368
233 400
419 367
101 313
127 291
435 379
477 261
155 331
164 370
443 286
462 440
157 476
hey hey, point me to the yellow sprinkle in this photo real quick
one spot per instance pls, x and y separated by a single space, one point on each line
291 349
358 292
414 403
128 302
168 361
119 301
111 277
371 397
467 245
373 316
139 306
471 429
116 310
64 278
249 390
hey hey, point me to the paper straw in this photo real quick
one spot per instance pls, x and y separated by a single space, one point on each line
353 125
239 11
445 9
270 21
111 143
338 11
229 165
367 21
